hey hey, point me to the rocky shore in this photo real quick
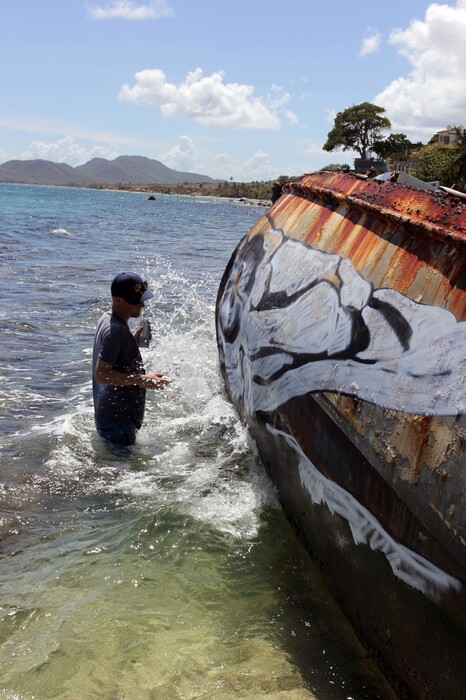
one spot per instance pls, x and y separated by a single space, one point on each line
247 192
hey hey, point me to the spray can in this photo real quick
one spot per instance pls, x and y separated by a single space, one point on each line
144 338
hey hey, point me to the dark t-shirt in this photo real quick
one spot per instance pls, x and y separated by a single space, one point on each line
115 344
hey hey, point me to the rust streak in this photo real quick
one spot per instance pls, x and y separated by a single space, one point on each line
404 243
447 523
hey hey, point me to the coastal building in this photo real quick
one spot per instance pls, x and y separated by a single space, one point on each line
450 135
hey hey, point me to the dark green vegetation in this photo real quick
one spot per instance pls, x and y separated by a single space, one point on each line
360 127
446 163
260 190
394 146
357 128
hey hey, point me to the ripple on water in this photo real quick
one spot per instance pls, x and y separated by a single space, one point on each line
166 571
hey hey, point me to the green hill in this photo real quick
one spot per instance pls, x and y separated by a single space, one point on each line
98 171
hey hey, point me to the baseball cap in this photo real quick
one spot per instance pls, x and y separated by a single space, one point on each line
131 288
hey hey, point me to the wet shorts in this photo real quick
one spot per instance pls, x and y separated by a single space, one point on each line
118 433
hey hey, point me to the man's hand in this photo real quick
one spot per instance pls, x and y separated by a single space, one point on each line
105 374
156 380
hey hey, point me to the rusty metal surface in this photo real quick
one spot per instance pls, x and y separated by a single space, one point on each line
392 259
433 213
414 242
417 642
342 341
395 236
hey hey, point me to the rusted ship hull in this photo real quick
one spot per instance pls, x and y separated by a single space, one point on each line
341 326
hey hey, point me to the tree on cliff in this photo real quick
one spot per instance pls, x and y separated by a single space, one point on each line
357 128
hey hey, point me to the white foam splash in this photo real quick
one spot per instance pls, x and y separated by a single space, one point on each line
192 450
60 231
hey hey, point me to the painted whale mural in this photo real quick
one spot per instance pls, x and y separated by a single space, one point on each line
341 327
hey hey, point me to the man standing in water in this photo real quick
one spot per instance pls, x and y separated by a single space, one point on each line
119 381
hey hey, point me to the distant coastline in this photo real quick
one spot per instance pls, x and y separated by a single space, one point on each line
134 174
247 195
254 192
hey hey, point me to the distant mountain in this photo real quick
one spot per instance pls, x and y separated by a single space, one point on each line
135 170
41 172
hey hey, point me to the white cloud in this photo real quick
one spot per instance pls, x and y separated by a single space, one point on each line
66 150
37 124
318 158
315 149
370 43
258 167
291 118
221 160
277 97
433 95
130 9
205 99
330 114
182 156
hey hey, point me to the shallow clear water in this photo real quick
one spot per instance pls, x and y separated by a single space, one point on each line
167 571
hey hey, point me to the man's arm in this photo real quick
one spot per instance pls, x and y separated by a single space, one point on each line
105 374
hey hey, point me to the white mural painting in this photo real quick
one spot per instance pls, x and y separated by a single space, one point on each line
293 320
411 568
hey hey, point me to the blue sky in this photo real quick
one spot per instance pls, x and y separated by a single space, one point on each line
245 90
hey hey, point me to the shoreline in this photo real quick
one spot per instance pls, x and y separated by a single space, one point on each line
244 196
259 193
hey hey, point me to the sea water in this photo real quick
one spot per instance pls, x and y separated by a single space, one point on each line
166 571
